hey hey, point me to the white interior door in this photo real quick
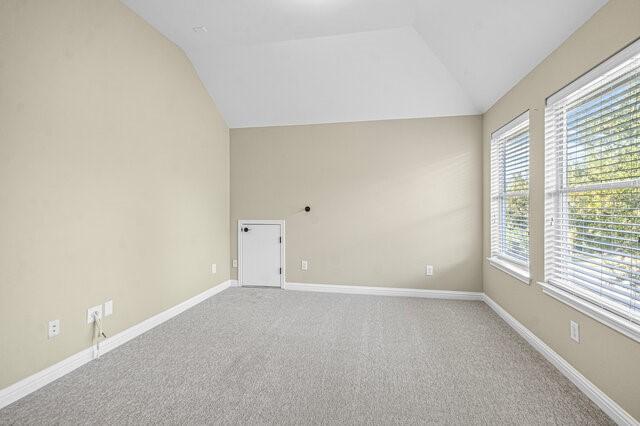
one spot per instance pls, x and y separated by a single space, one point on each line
260 257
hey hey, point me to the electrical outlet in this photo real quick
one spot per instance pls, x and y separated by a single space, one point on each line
214 268
304 265
575 331
54 328
108 308
429 270
235 263
91 311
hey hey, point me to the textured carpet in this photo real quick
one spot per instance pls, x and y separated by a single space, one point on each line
256 356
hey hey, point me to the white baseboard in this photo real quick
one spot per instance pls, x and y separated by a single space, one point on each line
385 291
34 382
606 404
234 283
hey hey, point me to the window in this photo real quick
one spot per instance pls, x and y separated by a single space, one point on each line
510 198
592 211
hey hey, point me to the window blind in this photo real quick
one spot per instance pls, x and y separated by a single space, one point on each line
510 192
592 185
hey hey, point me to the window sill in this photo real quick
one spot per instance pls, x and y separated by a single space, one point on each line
515 271
618 323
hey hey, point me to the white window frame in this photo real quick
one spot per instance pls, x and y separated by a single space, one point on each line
498 259
573 295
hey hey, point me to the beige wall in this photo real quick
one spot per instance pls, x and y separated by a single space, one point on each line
113 177
604 356
387 198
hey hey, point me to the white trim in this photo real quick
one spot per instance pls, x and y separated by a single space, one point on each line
606 404
34 382
606 66
513 124
514 270
604 316
620 184
243 222
385 291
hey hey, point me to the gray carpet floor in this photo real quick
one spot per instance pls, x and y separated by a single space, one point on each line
266 356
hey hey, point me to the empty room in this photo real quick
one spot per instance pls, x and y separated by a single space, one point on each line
320 212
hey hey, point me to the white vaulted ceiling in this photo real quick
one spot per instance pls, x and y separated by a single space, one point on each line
279 62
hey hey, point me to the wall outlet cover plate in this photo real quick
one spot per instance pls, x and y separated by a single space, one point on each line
54 328
429 270
91 311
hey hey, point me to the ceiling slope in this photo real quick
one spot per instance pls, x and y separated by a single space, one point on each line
285 62
494 44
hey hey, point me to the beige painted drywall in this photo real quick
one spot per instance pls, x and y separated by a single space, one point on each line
604 356
113 177
387 198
